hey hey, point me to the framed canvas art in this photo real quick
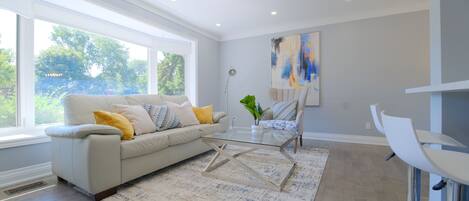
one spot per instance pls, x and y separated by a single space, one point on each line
295 63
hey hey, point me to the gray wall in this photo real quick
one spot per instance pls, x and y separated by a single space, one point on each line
208 83
17 157
455 54
362 62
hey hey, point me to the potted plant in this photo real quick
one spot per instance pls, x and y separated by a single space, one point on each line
249 102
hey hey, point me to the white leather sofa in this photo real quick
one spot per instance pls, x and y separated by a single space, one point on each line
94 158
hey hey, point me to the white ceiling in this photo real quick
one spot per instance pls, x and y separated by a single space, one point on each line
244 18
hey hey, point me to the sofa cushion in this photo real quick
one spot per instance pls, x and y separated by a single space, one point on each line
285 110
138 116
162 117
115 120
217 116
206 129
144 99
144 144
181 135
78 109
150 143
184 113
175 99
204 114
190 133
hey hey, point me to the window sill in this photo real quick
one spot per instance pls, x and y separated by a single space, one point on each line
23 139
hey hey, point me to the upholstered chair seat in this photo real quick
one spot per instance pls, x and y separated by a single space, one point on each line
298 97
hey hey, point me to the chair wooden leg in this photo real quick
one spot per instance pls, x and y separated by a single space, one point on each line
301 140
104 194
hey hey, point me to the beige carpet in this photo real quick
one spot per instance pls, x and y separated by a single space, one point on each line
185 182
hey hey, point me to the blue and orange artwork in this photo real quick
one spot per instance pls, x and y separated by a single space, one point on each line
295 64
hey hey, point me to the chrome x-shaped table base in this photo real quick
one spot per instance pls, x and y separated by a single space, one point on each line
268 182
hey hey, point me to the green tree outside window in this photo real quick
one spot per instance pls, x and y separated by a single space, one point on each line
171 75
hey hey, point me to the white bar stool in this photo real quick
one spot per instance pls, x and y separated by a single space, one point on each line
424 137
452 165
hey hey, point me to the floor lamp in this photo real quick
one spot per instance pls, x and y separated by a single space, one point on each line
231 73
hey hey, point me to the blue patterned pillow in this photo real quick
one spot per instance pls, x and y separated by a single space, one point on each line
284 110
162 117
279 125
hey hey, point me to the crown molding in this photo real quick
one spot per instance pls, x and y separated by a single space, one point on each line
151 8
334 20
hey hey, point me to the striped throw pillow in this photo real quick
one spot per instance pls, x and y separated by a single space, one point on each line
162 117
284 110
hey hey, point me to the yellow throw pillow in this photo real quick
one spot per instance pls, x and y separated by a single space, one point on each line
204 114
115 120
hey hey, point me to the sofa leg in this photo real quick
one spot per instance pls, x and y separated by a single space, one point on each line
301 140
61 180
104 194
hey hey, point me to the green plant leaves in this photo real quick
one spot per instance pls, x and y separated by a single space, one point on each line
256 111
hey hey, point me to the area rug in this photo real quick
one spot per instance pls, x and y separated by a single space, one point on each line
184 181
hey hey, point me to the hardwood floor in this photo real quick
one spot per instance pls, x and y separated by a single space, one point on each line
353 172
359 173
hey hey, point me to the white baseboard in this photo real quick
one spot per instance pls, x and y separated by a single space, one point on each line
16 176
357 139
347 138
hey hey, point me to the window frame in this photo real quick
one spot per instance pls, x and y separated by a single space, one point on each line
26 66
17 56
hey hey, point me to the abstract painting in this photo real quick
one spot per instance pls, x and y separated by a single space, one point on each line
295 64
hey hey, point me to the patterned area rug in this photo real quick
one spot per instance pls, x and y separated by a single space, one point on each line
185 181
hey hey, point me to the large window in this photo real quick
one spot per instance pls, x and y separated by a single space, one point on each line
71 61
170 73
8 80
41 62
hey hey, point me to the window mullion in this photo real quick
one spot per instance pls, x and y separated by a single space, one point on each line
152 71
26 72
192 73
187 80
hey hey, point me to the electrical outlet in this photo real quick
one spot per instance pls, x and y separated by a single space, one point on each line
368 125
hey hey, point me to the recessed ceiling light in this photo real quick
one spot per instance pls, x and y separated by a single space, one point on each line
348 1
218 24
173 0
273 13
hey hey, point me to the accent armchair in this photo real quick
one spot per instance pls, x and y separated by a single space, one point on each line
296 124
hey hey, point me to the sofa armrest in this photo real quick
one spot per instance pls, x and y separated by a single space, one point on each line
224 122
217 116
92 163
81 131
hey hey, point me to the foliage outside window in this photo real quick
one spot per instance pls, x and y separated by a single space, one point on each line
170 72
71 61
8 81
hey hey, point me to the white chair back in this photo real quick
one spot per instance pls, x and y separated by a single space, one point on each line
290 94
403 141
375 111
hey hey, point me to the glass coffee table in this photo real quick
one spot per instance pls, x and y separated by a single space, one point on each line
269 139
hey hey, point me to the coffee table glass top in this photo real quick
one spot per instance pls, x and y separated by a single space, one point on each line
269 137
